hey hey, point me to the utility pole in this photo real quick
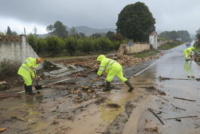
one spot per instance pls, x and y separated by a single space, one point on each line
24 31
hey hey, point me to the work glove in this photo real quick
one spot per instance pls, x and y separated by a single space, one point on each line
37 77
33 74
98 77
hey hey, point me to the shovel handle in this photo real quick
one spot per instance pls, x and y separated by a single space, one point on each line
95 80
36 81
36 78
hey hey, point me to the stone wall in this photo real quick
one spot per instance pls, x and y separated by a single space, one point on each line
138 47
162 42
15 49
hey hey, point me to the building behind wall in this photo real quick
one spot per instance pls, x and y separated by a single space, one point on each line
15 49
153 40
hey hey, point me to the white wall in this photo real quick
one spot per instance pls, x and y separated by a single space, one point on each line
153 40
16 51
138 47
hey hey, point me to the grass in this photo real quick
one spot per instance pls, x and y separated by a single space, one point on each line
170 45
146 53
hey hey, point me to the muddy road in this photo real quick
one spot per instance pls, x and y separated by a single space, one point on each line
165 100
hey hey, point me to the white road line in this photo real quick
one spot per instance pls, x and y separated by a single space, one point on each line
146 68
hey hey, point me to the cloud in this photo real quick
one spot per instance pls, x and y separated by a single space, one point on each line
169 14
20 27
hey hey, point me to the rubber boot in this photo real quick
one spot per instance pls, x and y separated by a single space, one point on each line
107 86
30 92
25 88
130 86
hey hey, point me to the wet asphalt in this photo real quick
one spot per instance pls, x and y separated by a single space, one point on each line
181 88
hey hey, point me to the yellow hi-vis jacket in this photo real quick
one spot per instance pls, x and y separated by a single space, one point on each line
187 51
26 71
111 67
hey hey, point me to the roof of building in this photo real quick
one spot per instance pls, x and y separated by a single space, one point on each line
153 33
10 38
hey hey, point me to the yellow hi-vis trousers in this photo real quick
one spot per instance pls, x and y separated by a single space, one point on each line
115 69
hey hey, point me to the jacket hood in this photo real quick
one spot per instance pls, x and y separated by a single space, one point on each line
192 48
101 57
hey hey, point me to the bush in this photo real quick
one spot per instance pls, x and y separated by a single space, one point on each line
8 69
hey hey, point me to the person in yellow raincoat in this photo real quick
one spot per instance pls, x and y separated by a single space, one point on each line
188 52
27 71
188 69
112 68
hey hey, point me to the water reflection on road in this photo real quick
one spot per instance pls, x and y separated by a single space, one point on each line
183 84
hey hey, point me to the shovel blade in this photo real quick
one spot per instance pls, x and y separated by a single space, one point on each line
38 87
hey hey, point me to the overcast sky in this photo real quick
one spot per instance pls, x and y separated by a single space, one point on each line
169 14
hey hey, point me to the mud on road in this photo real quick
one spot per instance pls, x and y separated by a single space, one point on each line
77 104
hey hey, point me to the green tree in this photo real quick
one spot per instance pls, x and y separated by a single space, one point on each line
9 32
197 43
104 44
71 44
32 40
173 35
82 35
114 37
86 45
198 34
34 30
136 22
60 30
42 46
72 31
184 35
96 35
55 45
50 29
110 35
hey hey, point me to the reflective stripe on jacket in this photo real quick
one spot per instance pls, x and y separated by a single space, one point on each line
25 68
105 65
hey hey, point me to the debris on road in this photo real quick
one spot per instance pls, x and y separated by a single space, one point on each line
9 95
165 78
178 107
67 97
182 117
151 110
19 118
154 90
113 105
184 99
4 85
2 129
122 50
151 129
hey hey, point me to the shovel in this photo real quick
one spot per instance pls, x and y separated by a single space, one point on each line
40 87
37 87
92 83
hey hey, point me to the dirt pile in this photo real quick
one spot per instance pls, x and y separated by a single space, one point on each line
91 62
122 50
